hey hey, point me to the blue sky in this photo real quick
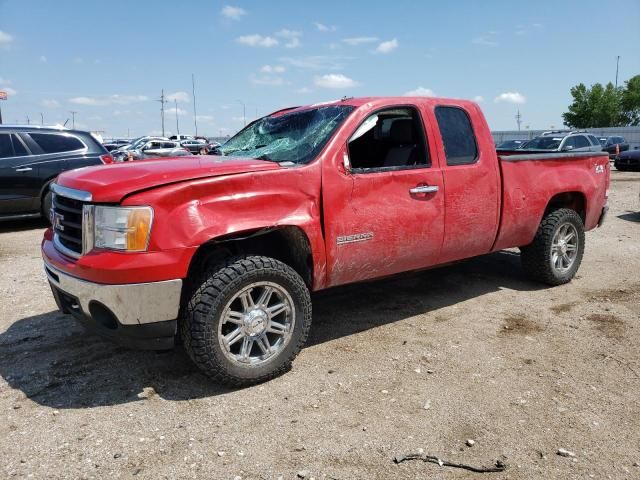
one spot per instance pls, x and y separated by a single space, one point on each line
108 61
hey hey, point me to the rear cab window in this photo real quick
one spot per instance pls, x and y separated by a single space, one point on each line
460 145
6 149
57 142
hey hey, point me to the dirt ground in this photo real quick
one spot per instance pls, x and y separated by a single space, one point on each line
426 361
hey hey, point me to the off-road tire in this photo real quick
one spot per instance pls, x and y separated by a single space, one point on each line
202 310
536 257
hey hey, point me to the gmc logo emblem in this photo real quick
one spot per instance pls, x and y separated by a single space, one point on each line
56 220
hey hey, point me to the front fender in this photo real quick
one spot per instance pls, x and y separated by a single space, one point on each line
190 214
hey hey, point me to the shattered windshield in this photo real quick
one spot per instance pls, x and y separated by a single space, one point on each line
294 137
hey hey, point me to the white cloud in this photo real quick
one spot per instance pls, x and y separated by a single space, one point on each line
204 118
234 13
272 69
270 80
182 97
353 41
172 111
43 59
335 80
256 40
478 99
10 91
420 92
388 46
321 27
315 62
50 103
292 37
510 97
487 40
5 39
109 100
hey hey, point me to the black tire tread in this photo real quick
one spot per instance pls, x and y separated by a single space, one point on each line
207 293
534 257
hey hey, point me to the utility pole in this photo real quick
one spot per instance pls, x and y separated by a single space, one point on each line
193 90
28 120
41 119
162 101
73 119
617 65
244 113
177 125
518 119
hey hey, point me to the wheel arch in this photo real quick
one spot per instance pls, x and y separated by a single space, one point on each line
574 200
289 244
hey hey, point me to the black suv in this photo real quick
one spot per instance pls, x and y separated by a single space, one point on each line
31 157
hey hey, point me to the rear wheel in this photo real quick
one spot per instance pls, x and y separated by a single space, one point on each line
246 320
556 252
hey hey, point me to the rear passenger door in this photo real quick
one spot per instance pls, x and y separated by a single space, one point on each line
16 195
471 182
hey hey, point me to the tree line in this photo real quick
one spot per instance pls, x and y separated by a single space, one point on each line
604 106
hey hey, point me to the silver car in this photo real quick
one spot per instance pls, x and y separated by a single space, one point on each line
156 148
558 141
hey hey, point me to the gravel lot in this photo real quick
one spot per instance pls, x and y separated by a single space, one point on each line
425 360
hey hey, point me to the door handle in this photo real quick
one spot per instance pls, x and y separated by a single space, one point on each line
424 189
24 169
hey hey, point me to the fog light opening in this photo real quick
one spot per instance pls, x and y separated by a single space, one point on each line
103 316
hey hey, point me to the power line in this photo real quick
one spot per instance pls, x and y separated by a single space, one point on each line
177 124
162 101
193 90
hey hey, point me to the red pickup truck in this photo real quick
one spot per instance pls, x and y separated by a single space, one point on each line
223 251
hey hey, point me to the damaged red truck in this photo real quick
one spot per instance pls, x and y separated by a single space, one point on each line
223 251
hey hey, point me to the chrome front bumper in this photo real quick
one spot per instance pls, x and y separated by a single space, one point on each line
130 304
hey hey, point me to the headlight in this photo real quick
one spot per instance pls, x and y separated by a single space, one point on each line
122 228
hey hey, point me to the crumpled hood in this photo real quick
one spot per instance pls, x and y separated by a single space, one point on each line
111 183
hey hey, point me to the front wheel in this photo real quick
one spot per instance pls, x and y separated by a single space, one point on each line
247 320
556 252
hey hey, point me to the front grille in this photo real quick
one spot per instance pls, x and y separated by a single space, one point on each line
66 218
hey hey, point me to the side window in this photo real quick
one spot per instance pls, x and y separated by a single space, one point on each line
6 150
459 141
581 141
569 142
56 142
18 147
389 139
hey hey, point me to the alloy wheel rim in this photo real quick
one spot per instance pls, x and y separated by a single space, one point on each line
256 324
564 248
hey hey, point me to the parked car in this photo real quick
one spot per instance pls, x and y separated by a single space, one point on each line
137 143
179 138
629 160
614 145
115 144
194 146
31 157
511 144
557 141
226 249
156 148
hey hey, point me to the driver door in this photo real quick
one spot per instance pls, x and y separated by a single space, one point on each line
383 200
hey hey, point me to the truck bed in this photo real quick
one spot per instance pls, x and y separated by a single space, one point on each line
527 189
